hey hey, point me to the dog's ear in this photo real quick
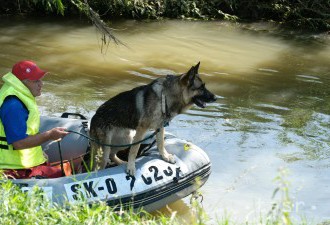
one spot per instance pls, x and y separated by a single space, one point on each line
188 78
197 67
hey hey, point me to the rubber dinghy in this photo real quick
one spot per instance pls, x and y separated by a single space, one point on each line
156 182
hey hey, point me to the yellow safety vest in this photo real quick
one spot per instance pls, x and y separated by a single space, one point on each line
24 158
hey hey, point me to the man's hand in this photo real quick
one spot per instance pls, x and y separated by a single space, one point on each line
38 139
57 133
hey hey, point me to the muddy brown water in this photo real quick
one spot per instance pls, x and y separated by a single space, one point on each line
272 112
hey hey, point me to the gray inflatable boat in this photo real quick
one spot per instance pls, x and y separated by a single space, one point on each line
156 182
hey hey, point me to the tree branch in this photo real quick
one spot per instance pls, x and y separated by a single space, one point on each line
101 26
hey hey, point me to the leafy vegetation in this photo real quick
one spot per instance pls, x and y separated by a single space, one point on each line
18 207
33 208
299 14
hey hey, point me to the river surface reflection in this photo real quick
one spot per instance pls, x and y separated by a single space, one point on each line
273 109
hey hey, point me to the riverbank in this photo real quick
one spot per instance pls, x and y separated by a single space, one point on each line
301 15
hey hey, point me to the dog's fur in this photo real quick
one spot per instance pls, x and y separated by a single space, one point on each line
140 109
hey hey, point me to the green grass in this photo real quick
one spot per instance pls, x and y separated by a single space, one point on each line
18 207
22 208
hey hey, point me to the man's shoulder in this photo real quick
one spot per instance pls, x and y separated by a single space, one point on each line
12 103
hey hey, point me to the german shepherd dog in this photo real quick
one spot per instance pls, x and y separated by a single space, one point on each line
141 109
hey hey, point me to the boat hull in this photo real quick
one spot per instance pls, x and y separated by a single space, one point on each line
156 182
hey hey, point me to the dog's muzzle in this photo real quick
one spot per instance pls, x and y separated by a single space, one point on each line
201 100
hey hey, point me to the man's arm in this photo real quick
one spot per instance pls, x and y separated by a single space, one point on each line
35 140
13 115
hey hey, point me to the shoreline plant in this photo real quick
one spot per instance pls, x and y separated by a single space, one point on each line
304 15
18 207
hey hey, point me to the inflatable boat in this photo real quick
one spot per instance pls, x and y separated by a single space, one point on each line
155 184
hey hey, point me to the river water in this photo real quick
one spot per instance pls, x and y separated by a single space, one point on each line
273 110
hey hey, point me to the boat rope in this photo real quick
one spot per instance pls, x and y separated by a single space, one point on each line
105 144
112 145
61 158
143 152
91 139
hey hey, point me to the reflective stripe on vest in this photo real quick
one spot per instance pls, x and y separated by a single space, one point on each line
3 146
24 158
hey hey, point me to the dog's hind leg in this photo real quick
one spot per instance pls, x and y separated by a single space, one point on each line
106 150
120 137
140 132
160 145
96 149
100 152
100 157
96 152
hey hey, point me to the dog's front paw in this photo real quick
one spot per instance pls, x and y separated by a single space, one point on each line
130 169
168 157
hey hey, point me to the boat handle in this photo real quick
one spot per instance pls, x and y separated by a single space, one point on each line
67 114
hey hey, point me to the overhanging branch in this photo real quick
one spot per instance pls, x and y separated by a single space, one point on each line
101 26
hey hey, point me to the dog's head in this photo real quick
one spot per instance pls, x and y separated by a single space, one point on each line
195 91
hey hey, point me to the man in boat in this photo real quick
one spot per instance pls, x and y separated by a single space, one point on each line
21 155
